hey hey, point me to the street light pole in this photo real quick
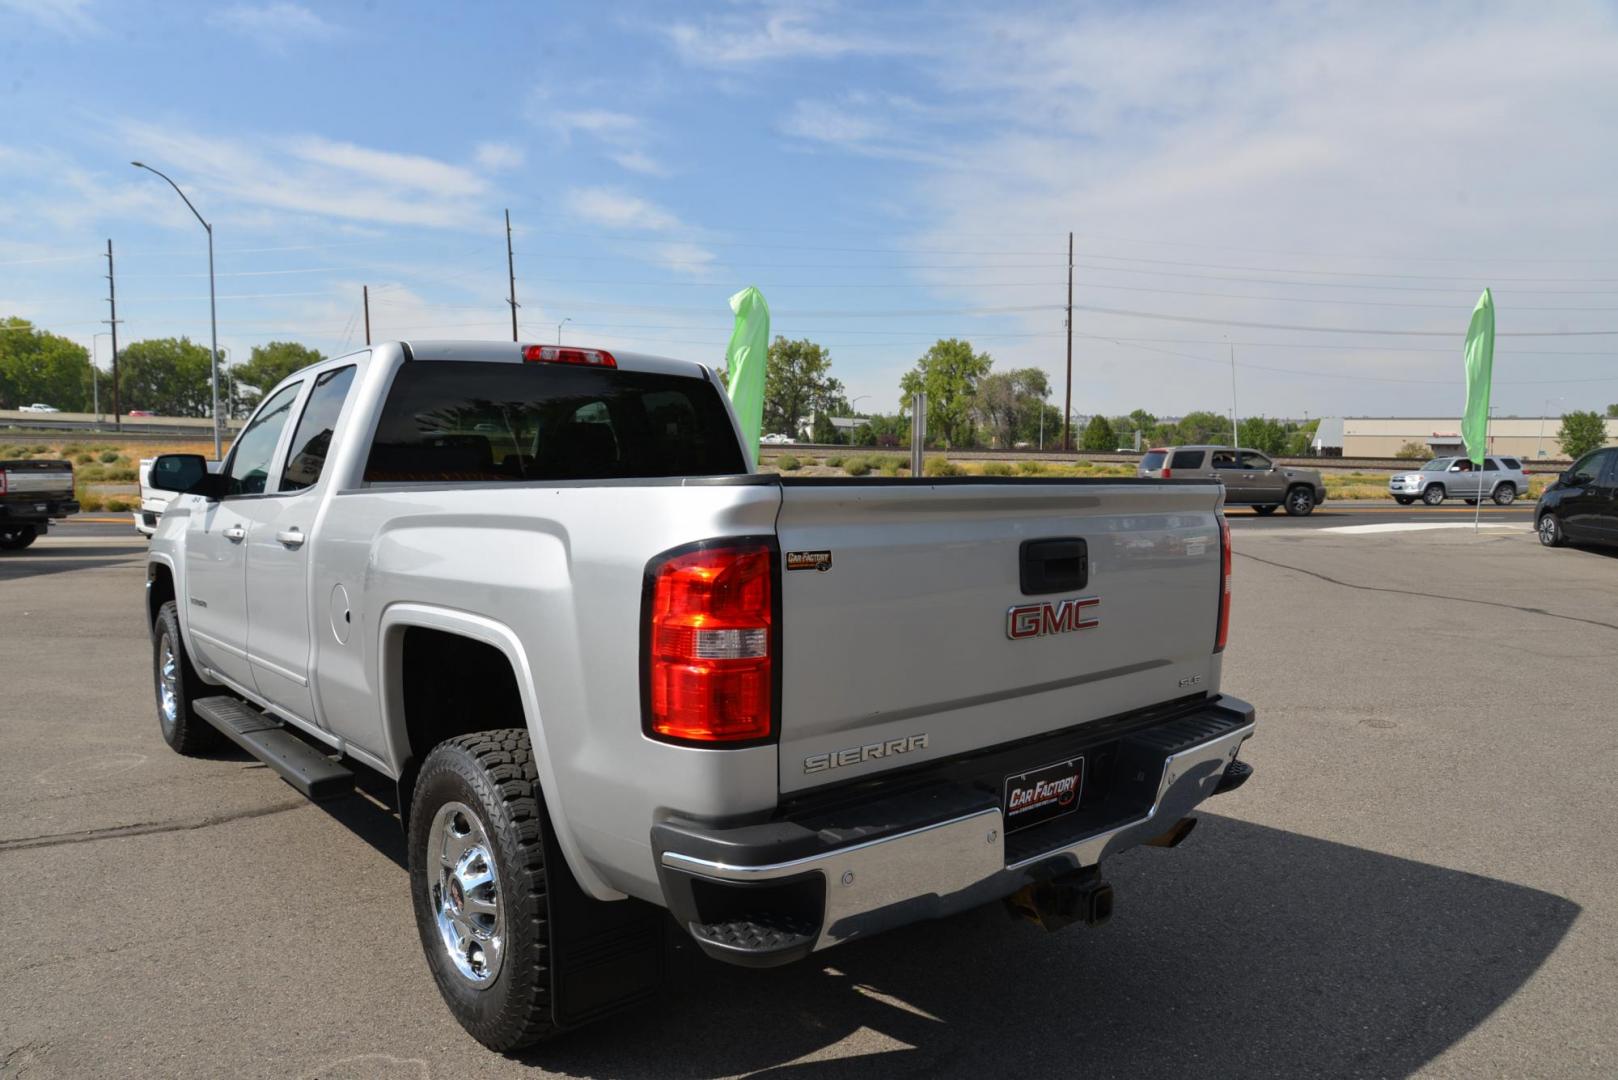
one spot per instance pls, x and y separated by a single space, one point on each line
559 328
213 316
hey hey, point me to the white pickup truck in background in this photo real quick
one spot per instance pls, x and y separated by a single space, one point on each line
153 501
619 675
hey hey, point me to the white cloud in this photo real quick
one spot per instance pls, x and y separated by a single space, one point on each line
1442 141
768 32
637 162
621 136
274 25
71 17
313 175
498 156
617 210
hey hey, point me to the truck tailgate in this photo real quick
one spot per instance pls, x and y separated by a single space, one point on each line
38 479
899 635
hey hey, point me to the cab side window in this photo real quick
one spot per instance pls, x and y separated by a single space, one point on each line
1589 468
312 439
1252 459
249 466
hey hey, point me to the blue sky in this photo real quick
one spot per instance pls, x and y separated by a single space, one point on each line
1295 181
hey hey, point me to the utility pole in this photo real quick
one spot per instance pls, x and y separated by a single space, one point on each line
1067 411
112 304
511 277
365 296
1235 439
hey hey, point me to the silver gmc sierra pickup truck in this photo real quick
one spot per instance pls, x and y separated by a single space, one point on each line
618 675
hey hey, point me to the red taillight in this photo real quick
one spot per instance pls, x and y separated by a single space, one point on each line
2 481
710 666
1168 474
1224 585
558 354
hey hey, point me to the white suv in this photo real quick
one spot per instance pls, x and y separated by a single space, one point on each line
1501 478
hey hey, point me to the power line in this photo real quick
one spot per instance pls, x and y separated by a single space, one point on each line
1163 316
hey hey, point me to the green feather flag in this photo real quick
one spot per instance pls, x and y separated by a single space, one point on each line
745 357
1479 378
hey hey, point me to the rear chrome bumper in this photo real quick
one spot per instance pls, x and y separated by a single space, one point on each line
856 889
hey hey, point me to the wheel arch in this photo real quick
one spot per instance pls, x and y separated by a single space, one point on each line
396 622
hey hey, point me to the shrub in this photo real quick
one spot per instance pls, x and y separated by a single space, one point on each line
891 466
84 458
1413 451
1030 468
788 463
938 466
998 468
89 500
116 504
40 448
109 456
857 466
120 474
835 461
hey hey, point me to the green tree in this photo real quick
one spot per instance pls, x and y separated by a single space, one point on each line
1581 432
824 431
167 376
36 365
1098 435
1413 451
270 363
1262 433
797 385
948 374
1202 427
1612 410
1009 403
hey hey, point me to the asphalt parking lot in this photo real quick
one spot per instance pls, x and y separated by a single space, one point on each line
1421 879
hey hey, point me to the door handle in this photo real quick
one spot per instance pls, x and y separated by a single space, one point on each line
292 538
235 534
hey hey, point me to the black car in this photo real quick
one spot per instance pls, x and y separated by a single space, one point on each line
1582 506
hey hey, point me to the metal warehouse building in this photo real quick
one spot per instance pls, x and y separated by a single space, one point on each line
1532 438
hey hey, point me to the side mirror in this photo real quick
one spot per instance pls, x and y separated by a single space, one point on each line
185 474
1567 479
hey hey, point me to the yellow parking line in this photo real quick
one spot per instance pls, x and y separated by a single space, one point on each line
97 520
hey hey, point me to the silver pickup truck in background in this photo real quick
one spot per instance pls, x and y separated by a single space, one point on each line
32 495
619 675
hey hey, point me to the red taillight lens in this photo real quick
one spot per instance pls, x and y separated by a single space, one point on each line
1224 585
557 354
710 665
1168 473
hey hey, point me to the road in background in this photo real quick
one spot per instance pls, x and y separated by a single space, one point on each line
1421 878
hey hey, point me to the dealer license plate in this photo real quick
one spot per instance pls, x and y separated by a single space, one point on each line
1042 794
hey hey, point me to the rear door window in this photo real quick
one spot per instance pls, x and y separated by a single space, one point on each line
312 439
1225 459
458 421
1187 459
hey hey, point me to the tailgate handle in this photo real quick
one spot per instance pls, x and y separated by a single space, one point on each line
1060 564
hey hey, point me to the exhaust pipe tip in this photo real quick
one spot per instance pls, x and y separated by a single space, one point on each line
1176 834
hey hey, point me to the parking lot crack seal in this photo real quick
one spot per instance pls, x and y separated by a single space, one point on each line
147 828
1428 595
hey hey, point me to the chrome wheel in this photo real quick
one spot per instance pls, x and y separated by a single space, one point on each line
466 894
1433 495
1300 501
1550 530
1506 495
168 698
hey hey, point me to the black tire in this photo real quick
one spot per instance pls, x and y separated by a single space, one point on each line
1300 501
185 732
18 537
1404 500
1264 509
493 774
1433 495
1505 494
1549 527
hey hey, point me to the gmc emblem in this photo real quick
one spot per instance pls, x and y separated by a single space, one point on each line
1048 617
